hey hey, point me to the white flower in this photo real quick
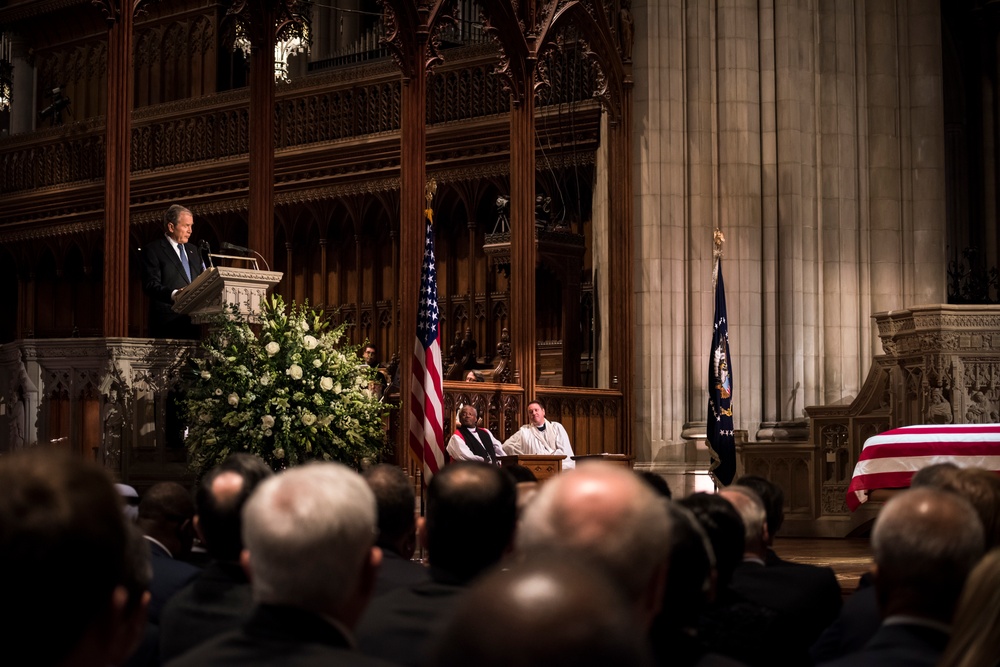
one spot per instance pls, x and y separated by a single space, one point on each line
279 453
304 325
234 399
325 383
317 363
205 375
218 392
267 421
308 418
309 342
295 371
337 388
205 417
267 432
272 348
265 380
326 421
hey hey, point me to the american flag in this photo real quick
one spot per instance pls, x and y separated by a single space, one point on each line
721 436
426 412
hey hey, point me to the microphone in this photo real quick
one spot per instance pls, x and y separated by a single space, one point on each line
225 245
206 254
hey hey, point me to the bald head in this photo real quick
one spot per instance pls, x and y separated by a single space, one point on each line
605 514
925 542
554 613
750 507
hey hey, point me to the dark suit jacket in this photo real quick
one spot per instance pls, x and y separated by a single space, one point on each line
276 635
162 273
402 625
898 645
857 623
217 601
398 572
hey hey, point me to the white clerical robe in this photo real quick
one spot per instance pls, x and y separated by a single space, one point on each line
553 441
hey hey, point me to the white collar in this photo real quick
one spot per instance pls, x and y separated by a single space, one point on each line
159 544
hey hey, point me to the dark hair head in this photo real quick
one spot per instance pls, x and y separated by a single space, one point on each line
62 550
657 483
219 511
471 513
173 214
396 505
771 495
538 402
520 473
724 527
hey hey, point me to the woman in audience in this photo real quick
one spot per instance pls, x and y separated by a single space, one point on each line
975 634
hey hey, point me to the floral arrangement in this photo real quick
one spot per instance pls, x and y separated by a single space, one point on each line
289 394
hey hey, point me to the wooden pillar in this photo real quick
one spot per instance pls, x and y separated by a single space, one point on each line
471 296
358 290
324 288
119 15
413 174
622 361
522 240
261 225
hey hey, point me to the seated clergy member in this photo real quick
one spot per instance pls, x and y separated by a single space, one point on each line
540 436
72 580
309 536
473 444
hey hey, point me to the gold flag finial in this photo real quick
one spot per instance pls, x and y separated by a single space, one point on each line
429 191
720 238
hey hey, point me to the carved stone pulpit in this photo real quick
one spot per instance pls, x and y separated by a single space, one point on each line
220 287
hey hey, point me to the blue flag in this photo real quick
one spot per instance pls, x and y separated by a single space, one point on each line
721 441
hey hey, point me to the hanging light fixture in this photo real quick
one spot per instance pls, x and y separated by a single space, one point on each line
6 71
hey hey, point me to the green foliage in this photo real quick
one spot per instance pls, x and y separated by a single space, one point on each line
289 394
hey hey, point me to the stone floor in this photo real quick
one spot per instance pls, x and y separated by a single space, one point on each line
849 557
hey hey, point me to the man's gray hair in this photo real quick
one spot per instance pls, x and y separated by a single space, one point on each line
926 541
750 507
604 514
308 531
173 214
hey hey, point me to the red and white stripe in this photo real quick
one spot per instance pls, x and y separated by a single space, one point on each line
890 459
426 412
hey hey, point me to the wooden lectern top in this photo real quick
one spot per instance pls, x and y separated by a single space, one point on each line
544 466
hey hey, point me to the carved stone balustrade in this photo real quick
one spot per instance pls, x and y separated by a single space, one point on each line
108 399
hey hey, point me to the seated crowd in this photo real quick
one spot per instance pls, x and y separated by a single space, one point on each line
596 566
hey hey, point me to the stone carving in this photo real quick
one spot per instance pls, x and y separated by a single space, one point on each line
939 408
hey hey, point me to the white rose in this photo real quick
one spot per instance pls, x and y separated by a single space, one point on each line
304 325
234 399
325 383
267 421
267 432
265 380
309 342
295 371
218 392
279 453
272 348
337 388
308 418
205 375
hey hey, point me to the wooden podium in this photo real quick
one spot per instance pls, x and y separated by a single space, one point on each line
219 287
623 460
544 466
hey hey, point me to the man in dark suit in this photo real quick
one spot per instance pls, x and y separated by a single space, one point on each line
925 542
471 514
397 529
219 599
309 536
805 598
169 264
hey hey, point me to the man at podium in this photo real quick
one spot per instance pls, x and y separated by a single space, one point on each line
540 436
169 264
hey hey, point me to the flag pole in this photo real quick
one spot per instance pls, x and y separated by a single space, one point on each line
719 432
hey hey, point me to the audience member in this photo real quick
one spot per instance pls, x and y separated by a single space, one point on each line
774 506
166 518
925 542
982 489
540 436
608 516
397 528
934 475
471 514
806 598
309 536
657 483
975 636
732 625
542 613
219 599
690 588
71 581
130 498
527 484
470 443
